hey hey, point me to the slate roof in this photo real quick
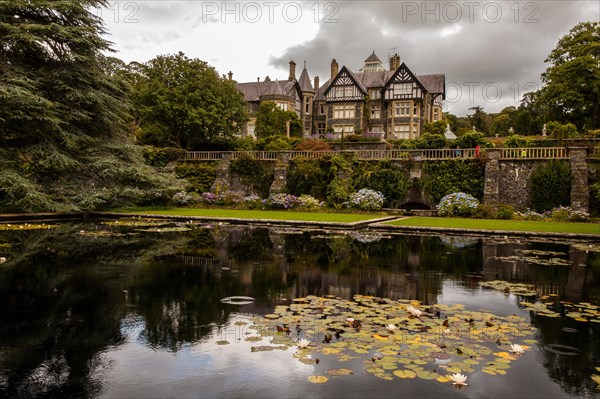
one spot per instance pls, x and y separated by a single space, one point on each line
252 91
373 58
434 84
304 81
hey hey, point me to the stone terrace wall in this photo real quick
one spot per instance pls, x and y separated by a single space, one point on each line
514 185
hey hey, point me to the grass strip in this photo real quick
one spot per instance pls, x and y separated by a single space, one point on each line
496 224
260 214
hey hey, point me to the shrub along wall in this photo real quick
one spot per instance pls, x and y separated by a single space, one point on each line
200 175
256 175
445 177
551 186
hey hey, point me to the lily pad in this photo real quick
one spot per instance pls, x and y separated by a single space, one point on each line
318 379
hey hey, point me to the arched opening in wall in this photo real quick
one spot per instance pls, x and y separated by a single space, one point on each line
410 206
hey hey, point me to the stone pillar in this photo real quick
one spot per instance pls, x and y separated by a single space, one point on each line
223 180
491 189
580 193
280 173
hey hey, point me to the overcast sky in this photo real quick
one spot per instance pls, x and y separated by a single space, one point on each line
490 51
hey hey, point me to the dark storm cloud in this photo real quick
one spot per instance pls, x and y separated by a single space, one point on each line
500 44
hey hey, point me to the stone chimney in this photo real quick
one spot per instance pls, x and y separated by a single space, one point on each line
292 70
316 85
258 79
230 74
394 62
334 69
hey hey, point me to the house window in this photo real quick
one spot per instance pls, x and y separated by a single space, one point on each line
283 106
321 109
415 110
436 115
375 111
402 132
374 94
307 105
321 129
376 129
349 91
402 89
402 108
250 130
343 111
346 129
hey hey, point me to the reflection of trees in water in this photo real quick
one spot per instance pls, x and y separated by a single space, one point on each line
52 323
572 373
63 303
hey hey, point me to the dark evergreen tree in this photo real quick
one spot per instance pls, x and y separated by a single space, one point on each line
65 137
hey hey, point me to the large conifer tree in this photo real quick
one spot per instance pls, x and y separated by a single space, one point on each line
64 137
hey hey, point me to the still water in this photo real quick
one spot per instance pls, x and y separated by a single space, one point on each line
135 309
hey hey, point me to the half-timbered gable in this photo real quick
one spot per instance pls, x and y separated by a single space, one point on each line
345 87
403 85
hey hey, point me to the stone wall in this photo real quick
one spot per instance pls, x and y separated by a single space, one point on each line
514 183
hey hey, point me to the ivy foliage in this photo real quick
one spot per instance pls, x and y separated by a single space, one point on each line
551 186
446 177
258 175
65 141
386 177
199 175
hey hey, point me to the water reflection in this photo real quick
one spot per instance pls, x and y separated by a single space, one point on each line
71 301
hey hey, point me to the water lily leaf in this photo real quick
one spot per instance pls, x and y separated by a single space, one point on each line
253 339
318 379
267 348
222 342
443 378
427 375
501 372
502 360
405 373
342 371
384 376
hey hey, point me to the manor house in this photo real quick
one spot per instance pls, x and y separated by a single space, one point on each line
374 101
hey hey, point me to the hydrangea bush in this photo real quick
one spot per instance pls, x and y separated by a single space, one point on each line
308 201
567 214
366 199
182 198
457 204
224 198
285 201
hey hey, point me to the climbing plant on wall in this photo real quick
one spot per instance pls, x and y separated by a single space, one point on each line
254 173
200 175
446 177
384 176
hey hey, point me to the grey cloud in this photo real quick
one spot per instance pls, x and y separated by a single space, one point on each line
506 52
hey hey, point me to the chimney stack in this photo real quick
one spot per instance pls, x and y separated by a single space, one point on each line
292 70
230 75
394 62
334 69
258 79
316 85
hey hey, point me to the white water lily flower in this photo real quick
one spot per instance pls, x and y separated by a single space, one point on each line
349 319
518 349
303 343
391 327
447 331
414 311
458 379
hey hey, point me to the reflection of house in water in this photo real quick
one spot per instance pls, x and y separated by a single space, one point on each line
508 261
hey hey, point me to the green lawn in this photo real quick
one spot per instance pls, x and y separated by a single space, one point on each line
257 214
494 224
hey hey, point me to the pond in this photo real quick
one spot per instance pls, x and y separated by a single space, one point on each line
144 309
